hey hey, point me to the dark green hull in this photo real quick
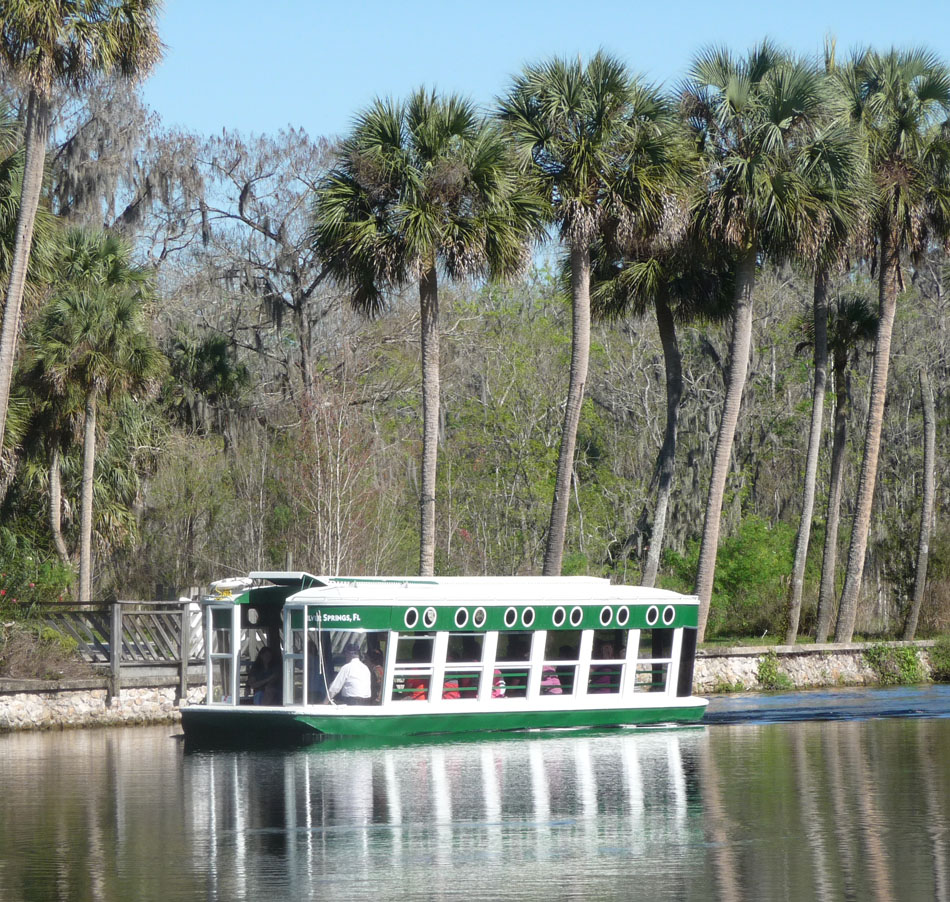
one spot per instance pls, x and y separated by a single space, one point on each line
207 726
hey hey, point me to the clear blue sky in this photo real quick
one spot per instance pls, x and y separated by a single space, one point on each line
260 65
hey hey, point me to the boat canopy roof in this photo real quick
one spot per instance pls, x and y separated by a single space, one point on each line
300 587
483 590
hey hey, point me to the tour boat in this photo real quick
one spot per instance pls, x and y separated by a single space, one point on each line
447 655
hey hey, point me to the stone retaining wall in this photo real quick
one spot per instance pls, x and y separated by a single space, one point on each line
65 707
804 667
37 705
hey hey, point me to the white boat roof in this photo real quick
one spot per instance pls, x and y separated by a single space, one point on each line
485 590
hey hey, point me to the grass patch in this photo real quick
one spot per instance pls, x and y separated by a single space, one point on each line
34 651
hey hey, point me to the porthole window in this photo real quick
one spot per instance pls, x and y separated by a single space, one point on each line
411 618
511 617
669 614
605 615
559 616
623 616
478 618
653 614
461 618
527 617
577 615
428 618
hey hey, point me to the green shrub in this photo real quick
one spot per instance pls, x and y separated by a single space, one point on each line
770 675
575 563
940 660
751 581
723 686
28 576
894 665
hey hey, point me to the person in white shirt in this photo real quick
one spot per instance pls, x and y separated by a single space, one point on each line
353 684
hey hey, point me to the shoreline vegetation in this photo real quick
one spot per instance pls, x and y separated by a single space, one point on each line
679 335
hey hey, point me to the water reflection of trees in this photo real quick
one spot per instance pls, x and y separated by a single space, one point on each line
827 810
832 811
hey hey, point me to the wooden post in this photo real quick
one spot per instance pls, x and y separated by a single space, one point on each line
185 651
115 651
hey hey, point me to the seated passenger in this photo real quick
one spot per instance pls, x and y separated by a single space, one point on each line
353 683
376 669
264 679
550 681
417 687
450 688
498 686
605 677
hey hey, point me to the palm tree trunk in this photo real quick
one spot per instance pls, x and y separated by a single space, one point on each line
55 505
927 508
85 509
37 134
887 292
811 457
673 363
829 558
429 324
739 348
580 355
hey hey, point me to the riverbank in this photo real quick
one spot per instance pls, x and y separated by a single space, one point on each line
67 704
741 668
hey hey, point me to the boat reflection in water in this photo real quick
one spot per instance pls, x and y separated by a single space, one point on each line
503 819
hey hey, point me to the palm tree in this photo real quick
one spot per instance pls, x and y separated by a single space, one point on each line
46 43
418 187
682 283
44 232
851 323
837 180
94 335
600 147
754 121
900 103
927 505
54 420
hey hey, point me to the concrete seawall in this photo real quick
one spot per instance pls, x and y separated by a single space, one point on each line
42 705
803 666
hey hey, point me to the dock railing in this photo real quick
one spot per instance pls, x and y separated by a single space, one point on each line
144 638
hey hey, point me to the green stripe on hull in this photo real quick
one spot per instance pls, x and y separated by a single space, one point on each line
210 725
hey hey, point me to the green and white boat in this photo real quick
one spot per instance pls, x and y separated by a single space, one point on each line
449 654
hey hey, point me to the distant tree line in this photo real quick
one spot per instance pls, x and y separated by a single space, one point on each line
630 308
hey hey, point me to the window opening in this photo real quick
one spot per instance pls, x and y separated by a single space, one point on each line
607 662
463 666
561 654
413 668
512 665
221 689
653 660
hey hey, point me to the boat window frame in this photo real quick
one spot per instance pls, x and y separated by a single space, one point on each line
396 669
232 656
667 686
473 668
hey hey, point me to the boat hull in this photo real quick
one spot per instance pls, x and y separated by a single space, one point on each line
208 726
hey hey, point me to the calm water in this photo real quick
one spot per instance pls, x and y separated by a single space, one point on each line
854 809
